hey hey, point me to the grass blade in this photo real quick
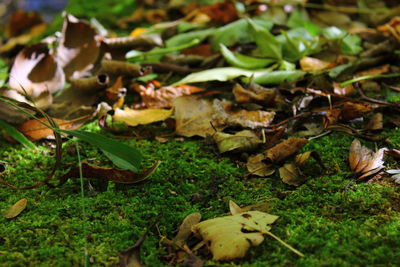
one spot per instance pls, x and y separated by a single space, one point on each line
14 133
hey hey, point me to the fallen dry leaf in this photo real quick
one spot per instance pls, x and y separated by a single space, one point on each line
313 64
234 208
224 115
255 93
285 149
241 141
185 229
134 117
350 111
109 174
224 12
16 209
291 174
256 165
230 237
375 122
193 116
363 161
164 96
35 130
21 21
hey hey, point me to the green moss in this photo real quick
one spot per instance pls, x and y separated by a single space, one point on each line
331 223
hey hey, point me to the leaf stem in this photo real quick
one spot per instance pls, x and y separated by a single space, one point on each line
285 244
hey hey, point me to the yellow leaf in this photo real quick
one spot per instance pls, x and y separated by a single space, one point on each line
230 237
134 117
16 209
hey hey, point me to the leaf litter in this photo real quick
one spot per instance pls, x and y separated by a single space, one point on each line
256 87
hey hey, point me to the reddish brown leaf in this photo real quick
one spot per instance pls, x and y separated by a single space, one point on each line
221 12
110 174
352 110
284 149
16 209
21 21
35 130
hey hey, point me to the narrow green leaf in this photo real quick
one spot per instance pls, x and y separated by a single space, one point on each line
14 133
123 156
277 77
368 77
187 37
221 74
243 61
267 44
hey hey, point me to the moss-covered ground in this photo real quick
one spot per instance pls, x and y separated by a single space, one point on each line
332 223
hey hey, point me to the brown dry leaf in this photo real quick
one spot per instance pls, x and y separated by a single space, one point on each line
241 141
35 72
110 174
193 116
285 149
312 64
291 174
375 122
363 161
374 71
185 229
392 27
134 117
203 50
350 110
230 237
164 96
344 91
23 39
77 55
21 21
225 116
35 130
16 209
254 93
130 257
224 12
256 166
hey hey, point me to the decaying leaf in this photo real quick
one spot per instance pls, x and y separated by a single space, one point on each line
254 93
16 209
256 165
230 237
164 96
234 208
35 73
351 110
110 174
364 162
291 174
224 115
241 141
35 130
375 122
313 64
134 117
284 149
193 116
185 229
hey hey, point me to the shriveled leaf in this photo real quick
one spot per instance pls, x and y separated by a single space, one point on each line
123 156
16 209
35 130
110 174
164 96
185 229
254 93
285 149
256 166
375 122
363 161
243 61
241 141
230 237
193 116
313 64
223 12
291 174
37 74
225 115
134 117
14 133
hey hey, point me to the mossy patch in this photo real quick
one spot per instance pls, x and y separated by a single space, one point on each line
331 223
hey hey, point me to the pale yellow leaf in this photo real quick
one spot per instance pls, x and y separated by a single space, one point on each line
134 117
